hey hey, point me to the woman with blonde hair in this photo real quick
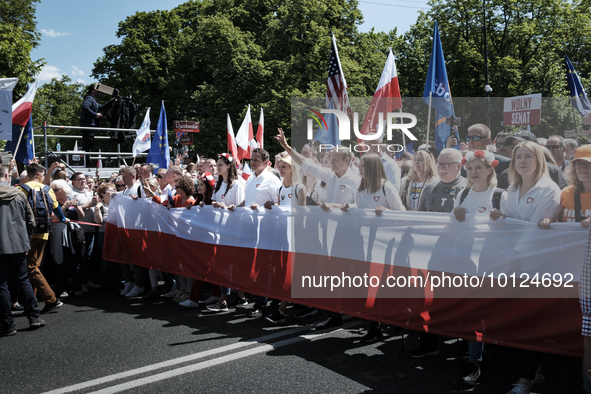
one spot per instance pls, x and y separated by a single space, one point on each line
422 173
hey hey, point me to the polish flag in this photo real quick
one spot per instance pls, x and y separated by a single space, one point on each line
385 99
244 136
231 140
21 110
246 172
260 130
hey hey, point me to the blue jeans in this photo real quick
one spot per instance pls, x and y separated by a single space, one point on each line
14 267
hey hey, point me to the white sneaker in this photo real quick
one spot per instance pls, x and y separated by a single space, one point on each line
127 288
136 291
84 289
172 293
189 304
211 300
183 297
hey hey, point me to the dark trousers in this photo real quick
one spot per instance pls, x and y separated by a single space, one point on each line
14 267
87 140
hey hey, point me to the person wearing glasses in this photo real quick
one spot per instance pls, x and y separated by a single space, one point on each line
119 184
478 138
440 197
555 145
500 141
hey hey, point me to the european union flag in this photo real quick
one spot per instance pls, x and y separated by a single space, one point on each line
26 149
437 86
159 154
578 95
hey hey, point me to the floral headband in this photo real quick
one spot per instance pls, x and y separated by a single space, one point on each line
208 178
227 156
489 157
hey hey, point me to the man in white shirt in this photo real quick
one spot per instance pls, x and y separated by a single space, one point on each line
130 179
262 186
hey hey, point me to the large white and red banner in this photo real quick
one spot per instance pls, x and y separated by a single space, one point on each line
506 282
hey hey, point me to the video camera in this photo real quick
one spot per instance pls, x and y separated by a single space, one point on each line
106 89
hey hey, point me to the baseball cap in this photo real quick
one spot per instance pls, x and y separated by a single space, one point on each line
582 153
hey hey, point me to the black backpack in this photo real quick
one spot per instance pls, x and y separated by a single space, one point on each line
42 205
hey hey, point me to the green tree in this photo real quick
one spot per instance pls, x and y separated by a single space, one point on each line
18 36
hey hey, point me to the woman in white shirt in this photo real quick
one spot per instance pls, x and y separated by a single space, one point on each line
532 196
422 172
477 197
228 190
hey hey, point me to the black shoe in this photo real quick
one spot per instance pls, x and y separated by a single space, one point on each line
35 322
256 311
335 320
421 352
151 295
471 375
17 307
373 335
51 307
305 312
276 318
6 332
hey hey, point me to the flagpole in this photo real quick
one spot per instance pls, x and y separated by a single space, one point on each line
429 118
18 143
403 136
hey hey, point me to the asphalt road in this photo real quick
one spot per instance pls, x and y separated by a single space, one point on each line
106 343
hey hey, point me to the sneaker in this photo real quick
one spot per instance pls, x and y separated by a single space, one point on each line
17 307
50 307
334 320
189 304
241 302
256 311
211 300
178 295
420 353
136 291
127 288
172 293
471 374
276 318
151 295
35 322
7 332
183 297
63 295
84 289
218 307
372 335
169 284
305 312
539 378
92 285
519 389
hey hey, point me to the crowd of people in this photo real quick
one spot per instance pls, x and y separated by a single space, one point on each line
514 176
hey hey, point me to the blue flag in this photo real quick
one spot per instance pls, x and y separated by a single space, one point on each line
578 95
409 149
330 136
159 154
438 85
26 149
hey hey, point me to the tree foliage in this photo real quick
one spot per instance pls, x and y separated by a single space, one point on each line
18 36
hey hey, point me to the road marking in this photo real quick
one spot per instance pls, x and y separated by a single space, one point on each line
169 363
210 363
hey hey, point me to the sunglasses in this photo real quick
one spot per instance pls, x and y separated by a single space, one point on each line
474 138
446 165
581 164
119 186
159 176
553 147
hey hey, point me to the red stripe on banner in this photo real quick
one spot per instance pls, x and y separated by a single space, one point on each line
21 114
540 324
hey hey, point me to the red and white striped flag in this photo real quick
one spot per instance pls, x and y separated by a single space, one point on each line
244 136
246 171
336 91
231 140
21 110
260 130
385 99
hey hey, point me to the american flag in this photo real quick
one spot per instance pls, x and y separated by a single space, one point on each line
336 91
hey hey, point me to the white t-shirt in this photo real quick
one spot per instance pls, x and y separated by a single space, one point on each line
386 196
133 189
338 190
541 201
234 196
286 196
476 202
262 188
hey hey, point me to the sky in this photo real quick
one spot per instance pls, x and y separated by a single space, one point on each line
74 32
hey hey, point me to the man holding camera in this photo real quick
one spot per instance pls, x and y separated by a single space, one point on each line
89 116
